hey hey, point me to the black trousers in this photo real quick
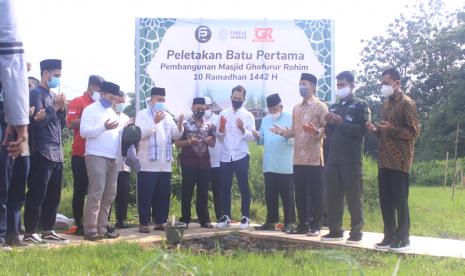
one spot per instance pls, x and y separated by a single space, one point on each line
192 177
123 187
43 195
309 195
217 191
81 181
279 185
393 197
345 180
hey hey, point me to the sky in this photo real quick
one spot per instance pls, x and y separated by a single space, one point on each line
97 36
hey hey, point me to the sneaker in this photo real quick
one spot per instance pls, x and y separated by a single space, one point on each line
224 222
400 246
383 244
266 227
53 236
33 239
16 242
313 233
245 223
332 237
354 240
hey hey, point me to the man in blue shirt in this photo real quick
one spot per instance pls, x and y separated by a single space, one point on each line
277 163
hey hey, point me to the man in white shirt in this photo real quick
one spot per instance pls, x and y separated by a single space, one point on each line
214 160
158 130
234 133
101 129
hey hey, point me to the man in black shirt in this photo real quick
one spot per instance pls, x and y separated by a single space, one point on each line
345 130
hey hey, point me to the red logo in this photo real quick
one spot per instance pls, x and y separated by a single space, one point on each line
263 35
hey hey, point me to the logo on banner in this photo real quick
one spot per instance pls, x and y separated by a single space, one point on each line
263 35
203 34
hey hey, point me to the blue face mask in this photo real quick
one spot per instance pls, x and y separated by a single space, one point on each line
303 91
159 106
105 103
54 82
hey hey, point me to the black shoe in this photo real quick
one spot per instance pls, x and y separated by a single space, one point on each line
268 226
332 236
383 244
52 236
206 225
121 225
158 227
16 242
354 239
110 229
33 239
400 246
301 229
112 235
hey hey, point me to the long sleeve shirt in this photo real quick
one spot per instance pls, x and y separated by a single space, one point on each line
13 62
99 140
146 123
234 143
46 134
278 150
308 148
396 146
346 139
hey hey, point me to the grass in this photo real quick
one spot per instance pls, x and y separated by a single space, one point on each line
132 259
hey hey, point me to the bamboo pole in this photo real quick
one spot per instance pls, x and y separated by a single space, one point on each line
446 169
456 163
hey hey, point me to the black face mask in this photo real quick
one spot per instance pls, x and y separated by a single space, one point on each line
199 114
237 104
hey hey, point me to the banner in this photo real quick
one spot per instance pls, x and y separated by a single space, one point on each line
207 57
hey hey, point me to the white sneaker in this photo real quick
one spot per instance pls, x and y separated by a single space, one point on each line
224 222
245 223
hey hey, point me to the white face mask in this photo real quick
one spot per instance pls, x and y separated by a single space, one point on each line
95 96
387 90
343 92
119 107
208 113
276 115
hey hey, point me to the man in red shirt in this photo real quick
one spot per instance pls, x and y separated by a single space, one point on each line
78 165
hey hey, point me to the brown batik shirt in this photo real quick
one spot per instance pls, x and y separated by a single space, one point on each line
396 145
308 148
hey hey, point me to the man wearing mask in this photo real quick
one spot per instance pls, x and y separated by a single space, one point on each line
234 133
44 182
78 164
158 129
396 133
308 122
123 186
198 136
101 129
277 164
215 151
345 129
